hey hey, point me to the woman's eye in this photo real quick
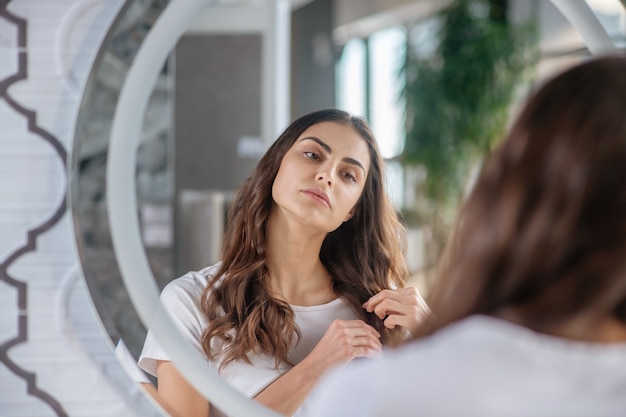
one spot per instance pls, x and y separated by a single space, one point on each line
349 176
312 155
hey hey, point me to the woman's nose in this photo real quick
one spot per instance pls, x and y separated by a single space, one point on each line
325 177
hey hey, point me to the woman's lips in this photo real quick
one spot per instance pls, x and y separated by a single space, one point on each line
318 195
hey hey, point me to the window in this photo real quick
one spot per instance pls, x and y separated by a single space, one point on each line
369 84
351 84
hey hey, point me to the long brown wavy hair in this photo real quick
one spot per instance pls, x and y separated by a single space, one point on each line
363 256
543 233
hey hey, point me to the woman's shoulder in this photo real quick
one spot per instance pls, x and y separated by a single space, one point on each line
191 284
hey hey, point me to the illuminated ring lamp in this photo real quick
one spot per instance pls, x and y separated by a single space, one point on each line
122 201
124 223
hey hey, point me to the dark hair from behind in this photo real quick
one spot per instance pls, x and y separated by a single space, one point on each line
543 232
363 256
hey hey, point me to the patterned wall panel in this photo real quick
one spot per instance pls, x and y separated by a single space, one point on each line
55 358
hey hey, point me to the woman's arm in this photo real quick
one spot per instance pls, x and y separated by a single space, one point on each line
177 396
343 341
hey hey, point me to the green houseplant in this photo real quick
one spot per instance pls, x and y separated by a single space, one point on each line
458 99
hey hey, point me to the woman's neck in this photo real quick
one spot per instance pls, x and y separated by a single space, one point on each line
300 286
296 273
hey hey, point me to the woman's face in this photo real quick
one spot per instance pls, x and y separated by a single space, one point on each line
322 175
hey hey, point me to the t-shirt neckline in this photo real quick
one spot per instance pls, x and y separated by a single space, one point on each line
324 306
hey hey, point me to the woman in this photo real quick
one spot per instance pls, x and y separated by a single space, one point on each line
529 312
311 277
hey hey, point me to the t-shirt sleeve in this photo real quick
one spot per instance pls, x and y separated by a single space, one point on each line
126 359
181 300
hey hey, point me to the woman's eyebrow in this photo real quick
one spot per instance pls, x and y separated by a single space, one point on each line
353 161
328 149
320 142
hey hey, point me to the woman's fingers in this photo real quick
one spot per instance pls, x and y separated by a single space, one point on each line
353 338
354 328
363 352
393 301
404 307
408 322
366 341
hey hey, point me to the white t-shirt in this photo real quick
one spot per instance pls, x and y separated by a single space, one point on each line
181 299
481 367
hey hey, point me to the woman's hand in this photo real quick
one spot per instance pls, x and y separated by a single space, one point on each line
343 341
404 307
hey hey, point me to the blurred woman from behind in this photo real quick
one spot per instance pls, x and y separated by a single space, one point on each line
529 311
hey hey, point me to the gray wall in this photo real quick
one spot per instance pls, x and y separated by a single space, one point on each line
312 58
217 103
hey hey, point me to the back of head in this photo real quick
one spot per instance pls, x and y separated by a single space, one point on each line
543 232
